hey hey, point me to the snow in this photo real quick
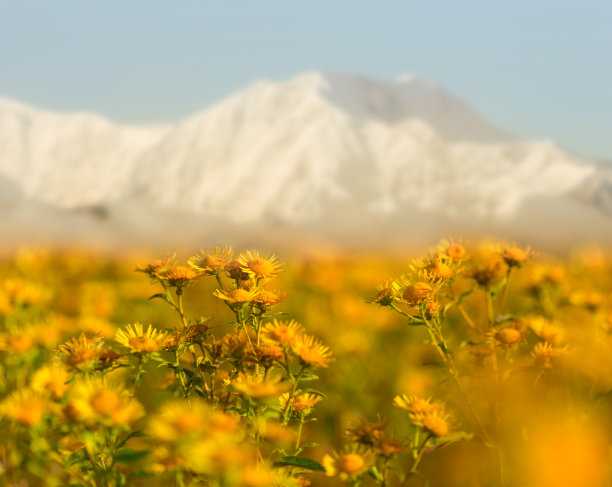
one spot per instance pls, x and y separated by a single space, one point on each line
292 151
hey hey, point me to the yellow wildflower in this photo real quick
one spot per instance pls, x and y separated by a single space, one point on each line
134 338
25 407
311 351
211 262
350 463
51 379
97 400
282 332
237 296
258 266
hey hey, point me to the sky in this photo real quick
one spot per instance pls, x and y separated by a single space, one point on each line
541 69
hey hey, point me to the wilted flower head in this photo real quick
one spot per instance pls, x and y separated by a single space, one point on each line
156 266
487 273
367 433
384 294
266 354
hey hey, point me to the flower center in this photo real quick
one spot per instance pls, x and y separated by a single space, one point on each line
351 463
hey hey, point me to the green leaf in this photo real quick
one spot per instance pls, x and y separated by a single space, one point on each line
416 323
133 434
499 286
299 462
140 473
375 474
163 297
310 445
129 455
445 348
315 392
307 377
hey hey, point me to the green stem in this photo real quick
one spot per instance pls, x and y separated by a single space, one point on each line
419 457
299 434
490 315
504 296
179 308
291 394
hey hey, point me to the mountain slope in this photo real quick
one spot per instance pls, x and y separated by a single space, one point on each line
316 145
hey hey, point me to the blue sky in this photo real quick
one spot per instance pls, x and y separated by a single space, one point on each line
539 68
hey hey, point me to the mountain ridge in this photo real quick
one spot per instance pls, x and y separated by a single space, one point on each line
292 151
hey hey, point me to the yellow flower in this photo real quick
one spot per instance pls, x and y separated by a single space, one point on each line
25 406
311 351
267 298
211 262
25 293
436 424
350 463
417 406
178 419
546 355
177 275
96 400
300 403
508 336
259 387
515 256
18 340
258 266
153 268
134 338
413 293
487 274
266 354
439 270
50 379
258 475
81 352
428 414
455 251
236 296
282 332
546 330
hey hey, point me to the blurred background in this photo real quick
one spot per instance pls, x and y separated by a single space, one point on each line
149 123
347 137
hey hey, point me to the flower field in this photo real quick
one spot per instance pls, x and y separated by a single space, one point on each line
470 365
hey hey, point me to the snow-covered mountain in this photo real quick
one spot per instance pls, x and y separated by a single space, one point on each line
297 151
